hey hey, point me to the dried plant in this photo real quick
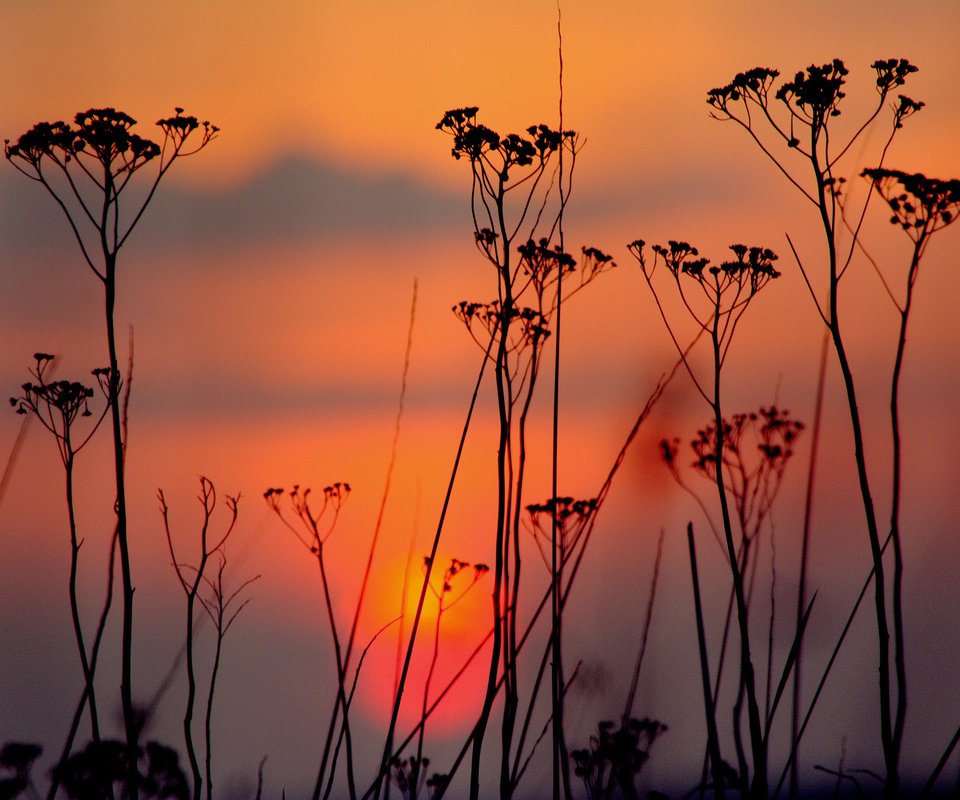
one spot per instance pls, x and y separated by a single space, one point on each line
59 405
410 774
757 448
794 126
516 213
615 757
88 168
716 297
312 525
219 606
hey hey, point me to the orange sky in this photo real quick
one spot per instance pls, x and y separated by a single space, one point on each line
270 286
364 82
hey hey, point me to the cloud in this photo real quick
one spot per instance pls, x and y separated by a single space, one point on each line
305 199
299 198
294 198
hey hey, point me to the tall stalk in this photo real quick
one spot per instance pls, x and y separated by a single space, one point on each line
313 527
721 295
713 738
758 786
800 120
193 579
560 757
921 206
58 405
508 206
447 596
805 557
93 164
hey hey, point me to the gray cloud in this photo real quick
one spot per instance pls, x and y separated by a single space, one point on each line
294 198
300 198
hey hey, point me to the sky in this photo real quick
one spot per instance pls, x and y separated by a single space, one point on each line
269 289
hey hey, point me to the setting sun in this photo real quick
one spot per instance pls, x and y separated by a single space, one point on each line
463 628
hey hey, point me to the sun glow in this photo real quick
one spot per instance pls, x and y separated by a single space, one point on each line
451 635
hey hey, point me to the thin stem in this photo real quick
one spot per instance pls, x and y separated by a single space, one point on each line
131 722
74 604
898 621
57 773
341 686
883 635
382 772
713 739
389 478
651 597
826 673
758 787
560 758
805 553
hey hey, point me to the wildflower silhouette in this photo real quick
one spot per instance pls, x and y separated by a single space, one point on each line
410 774
716 296
218 606
921 206
313 528
615 757
572 517
560 526
58 405
18 757
516 218
88 168
528 330
529 327
757 448
807 105
89 165
100 771
798 115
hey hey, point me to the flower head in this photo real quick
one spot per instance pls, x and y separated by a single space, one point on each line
920 205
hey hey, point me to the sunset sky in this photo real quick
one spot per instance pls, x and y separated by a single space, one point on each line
269 291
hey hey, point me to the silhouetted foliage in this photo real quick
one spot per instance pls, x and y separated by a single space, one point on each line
58 404
18 758
920 205
798 115
615 756
99 772
86 168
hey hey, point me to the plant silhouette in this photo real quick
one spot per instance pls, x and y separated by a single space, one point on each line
59 405
199 587
716 297
796 120
88 168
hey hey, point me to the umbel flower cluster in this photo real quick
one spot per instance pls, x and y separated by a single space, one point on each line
920 205
475 140
755 264
772 429
58 404
103 134
813 93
